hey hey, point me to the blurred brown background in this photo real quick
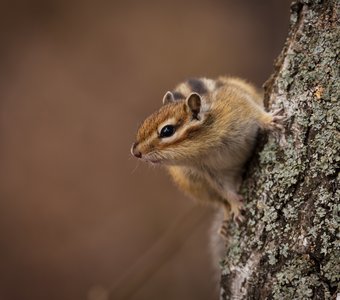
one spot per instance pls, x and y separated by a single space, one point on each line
76 79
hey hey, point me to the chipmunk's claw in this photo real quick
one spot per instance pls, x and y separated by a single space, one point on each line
239 218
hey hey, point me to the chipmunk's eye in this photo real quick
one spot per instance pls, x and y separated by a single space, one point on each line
167 131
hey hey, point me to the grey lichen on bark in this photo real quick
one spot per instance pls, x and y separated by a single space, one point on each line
288 248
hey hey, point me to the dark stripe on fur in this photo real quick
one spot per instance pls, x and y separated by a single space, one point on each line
197 86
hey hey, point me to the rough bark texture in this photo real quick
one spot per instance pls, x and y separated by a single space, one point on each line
289 246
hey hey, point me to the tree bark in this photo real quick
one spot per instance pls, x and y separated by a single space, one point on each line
288 248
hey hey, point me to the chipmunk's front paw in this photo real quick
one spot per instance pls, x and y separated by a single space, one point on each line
223 231
277 120
236 206
232 210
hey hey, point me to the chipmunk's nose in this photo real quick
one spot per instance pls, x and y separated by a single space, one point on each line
135 152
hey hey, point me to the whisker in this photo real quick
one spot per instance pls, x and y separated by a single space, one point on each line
135 168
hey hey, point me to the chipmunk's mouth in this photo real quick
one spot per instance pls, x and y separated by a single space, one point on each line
153 160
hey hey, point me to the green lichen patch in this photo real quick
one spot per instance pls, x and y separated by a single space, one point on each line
296 279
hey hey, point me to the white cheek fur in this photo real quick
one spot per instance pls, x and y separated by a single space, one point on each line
170 139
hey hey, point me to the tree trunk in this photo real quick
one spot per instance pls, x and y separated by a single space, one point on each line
288 248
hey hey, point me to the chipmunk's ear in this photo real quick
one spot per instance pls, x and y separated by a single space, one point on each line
168 98
193 103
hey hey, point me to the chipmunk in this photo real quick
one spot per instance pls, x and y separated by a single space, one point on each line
203 134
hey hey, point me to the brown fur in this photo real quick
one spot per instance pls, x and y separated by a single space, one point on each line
206 154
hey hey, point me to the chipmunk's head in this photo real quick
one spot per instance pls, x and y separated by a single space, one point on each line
168 135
